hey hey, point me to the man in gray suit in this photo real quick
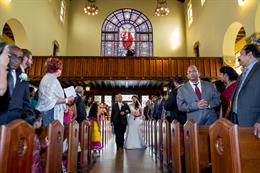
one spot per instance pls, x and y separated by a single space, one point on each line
198 98
245 105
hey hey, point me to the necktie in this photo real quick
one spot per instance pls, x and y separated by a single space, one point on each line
197 91
10 81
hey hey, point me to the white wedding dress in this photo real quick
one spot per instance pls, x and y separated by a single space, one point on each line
134 138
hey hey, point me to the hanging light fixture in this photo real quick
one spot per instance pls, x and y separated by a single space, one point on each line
91 8
161 8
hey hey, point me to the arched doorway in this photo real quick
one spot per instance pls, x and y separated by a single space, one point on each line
229 43
18 33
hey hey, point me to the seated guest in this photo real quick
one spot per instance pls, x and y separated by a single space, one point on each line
4 60
229 76
51 101
70 113
245 104
36 121
15 101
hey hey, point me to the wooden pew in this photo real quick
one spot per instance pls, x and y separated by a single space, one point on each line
85 143
234 149
166 145
73 141
149 133
55 147
177 146
16 147
197 148
153 134
159 140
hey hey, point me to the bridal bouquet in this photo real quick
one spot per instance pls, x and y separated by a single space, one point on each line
136 114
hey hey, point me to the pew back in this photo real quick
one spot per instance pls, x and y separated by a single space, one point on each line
73 142
16 147
55 148
85 141
234 150
197 148
177 146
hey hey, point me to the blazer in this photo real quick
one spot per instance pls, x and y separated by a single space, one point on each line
187 102
13 107
116 118
81 111
248 101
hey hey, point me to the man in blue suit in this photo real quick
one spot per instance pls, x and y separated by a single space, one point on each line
15 101
198 98
245 102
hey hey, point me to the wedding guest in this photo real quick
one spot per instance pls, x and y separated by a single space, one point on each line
229 76
70 113
15 102
81 112
94 117
52 102
27 60
4 60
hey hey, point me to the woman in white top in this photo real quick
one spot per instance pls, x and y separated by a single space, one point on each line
52 101
134 138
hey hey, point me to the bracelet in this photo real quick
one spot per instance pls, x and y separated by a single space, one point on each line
66 100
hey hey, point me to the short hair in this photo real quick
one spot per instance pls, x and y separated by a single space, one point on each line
53 65
232 74
179 79
78 89
220 86
13 50
26 53
252 48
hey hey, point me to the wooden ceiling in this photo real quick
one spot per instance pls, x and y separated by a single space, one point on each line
8 32
241 34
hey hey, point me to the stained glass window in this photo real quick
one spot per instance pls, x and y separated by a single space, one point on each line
127 28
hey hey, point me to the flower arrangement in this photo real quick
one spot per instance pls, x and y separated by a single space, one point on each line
23 77
136 114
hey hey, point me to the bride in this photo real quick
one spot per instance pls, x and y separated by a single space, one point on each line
134 138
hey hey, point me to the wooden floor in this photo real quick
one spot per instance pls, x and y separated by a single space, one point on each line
124 161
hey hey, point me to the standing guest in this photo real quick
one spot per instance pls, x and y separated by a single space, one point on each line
198 98
94 117
27 60
147 110
15 101
171 102
229 76
89 102
4 60
51 96
245 104
81 112
118 118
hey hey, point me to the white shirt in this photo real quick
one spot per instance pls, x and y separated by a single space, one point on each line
13 72
198 84
120 105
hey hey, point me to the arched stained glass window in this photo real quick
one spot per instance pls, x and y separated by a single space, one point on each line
127 28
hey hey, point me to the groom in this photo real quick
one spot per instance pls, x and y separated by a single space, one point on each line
118 118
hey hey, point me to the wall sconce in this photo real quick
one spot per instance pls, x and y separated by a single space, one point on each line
165 88
241 2
87 88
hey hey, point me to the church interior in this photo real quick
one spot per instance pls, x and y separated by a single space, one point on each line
135 48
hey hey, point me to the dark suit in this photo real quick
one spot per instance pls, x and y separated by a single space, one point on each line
248 102
81 111
171 105
158 108
119 122
13 107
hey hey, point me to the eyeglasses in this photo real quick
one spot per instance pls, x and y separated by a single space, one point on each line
13 55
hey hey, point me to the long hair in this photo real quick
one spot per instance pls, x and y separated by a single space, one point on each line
137 103
93 110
